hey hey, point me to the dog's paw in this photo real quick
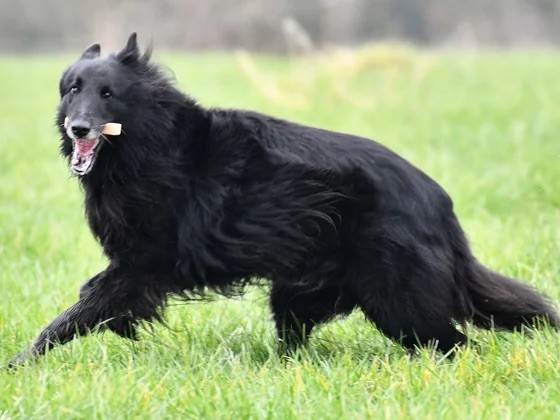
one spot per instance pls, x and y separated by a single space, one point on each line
19 360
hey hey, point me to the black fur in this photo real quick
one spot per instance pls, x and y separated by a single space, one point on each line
189 200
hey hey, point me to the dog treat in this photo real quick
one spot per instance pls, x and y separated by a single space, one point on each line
111 129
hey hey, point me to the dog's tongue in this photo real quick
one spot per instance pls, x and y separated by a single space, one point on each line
85 147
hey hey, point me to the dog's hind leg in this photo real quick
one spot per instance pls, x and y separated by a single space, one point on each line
113 300
409 295
407 324
298 309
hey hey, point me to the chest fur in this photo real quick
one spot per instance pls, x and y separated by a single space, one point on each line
125 223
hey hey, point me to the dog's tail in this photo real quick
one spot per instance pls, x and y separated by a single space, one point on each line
504 303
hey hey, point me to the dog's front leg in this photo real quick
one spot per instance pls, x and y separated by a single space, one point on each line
113 300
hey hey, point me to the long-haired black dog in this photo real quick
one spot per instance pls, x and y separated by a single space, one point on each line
189 199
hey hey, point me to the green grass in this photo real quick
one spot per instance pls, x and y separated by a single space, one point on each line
486 126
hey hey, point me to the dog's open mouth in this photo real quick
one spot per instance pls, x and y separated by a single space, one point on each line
84 154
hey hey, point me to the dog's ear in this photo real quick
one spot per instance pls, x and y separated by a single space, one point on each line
91 52
130 52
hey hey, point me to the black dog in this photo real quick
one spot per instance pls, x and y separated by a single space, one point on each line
189 199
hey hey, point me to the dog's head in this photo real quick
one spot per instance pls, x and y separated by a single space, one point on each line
95 91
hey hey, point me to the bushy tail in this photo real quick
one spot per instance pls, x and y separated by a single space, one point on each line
504 303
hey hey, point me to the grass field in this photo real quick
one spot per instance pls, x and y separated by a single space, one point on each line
486 126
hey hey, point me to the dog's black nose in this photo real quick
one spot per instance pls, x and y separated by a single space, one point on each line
80 131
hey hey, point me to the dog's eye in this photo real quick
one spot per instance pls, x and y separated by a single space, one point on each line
106 93
74 90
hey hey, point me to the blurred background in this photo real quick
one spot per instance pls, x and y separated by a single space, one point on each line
278 26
